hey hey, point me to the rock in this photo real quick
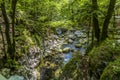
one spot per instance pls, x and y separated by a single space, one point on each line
16 77
70 41
36 74
60 51
66 50
70 36
78 33
65 44
2 77
58 31
48 51
118 41
78 45
84 41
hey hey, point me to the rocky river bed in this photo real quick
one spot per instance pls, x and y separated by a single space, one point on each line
61 44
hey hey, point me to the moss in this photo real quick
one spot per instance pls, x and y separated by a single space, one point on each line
72 69
112 71
100 57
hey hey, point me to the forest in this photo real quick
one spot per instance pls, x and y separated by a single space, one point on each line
59 39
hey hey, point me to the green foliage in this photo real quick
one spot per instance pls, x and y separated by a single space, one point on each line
112 71
62 24
71 69
100 57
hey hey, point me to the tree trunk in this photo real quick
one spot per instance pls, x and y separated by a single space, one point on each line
3 41
95 20
14 2
7 28
110 11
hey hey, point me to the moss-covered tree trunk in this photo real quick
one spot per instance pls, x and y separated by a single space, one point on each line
110 11
95 20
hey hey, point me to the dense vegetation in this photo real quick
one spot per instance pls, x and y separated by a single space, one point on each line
59 39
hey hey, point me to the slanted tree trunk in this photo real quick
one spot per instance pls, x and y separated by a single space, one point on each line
110 11
95 20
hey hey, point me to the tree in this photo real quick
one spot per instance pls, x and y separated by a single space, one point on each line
104 34
7 27
110 11
95 20
8 30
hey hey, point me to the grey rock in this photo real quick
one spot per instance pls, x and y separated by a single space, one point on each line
78 33
16 77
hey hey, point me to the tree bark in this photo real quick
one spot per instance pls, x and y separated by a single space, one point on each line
110 11
95 20
3 41
14 2
7 28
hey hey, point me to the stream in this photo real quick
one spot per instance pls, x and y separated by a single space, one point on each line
62 44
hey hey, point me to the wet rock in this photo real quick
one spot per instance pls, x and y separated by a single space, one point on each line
16 77
78 33
66 50
58 31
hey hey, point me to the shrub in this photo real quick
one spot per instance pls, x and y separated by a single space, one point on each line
100 56
112 71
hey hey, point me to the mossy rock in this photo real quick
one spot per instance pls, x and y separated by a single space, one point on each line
112 71
78 45
72 69
100 57
66 50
